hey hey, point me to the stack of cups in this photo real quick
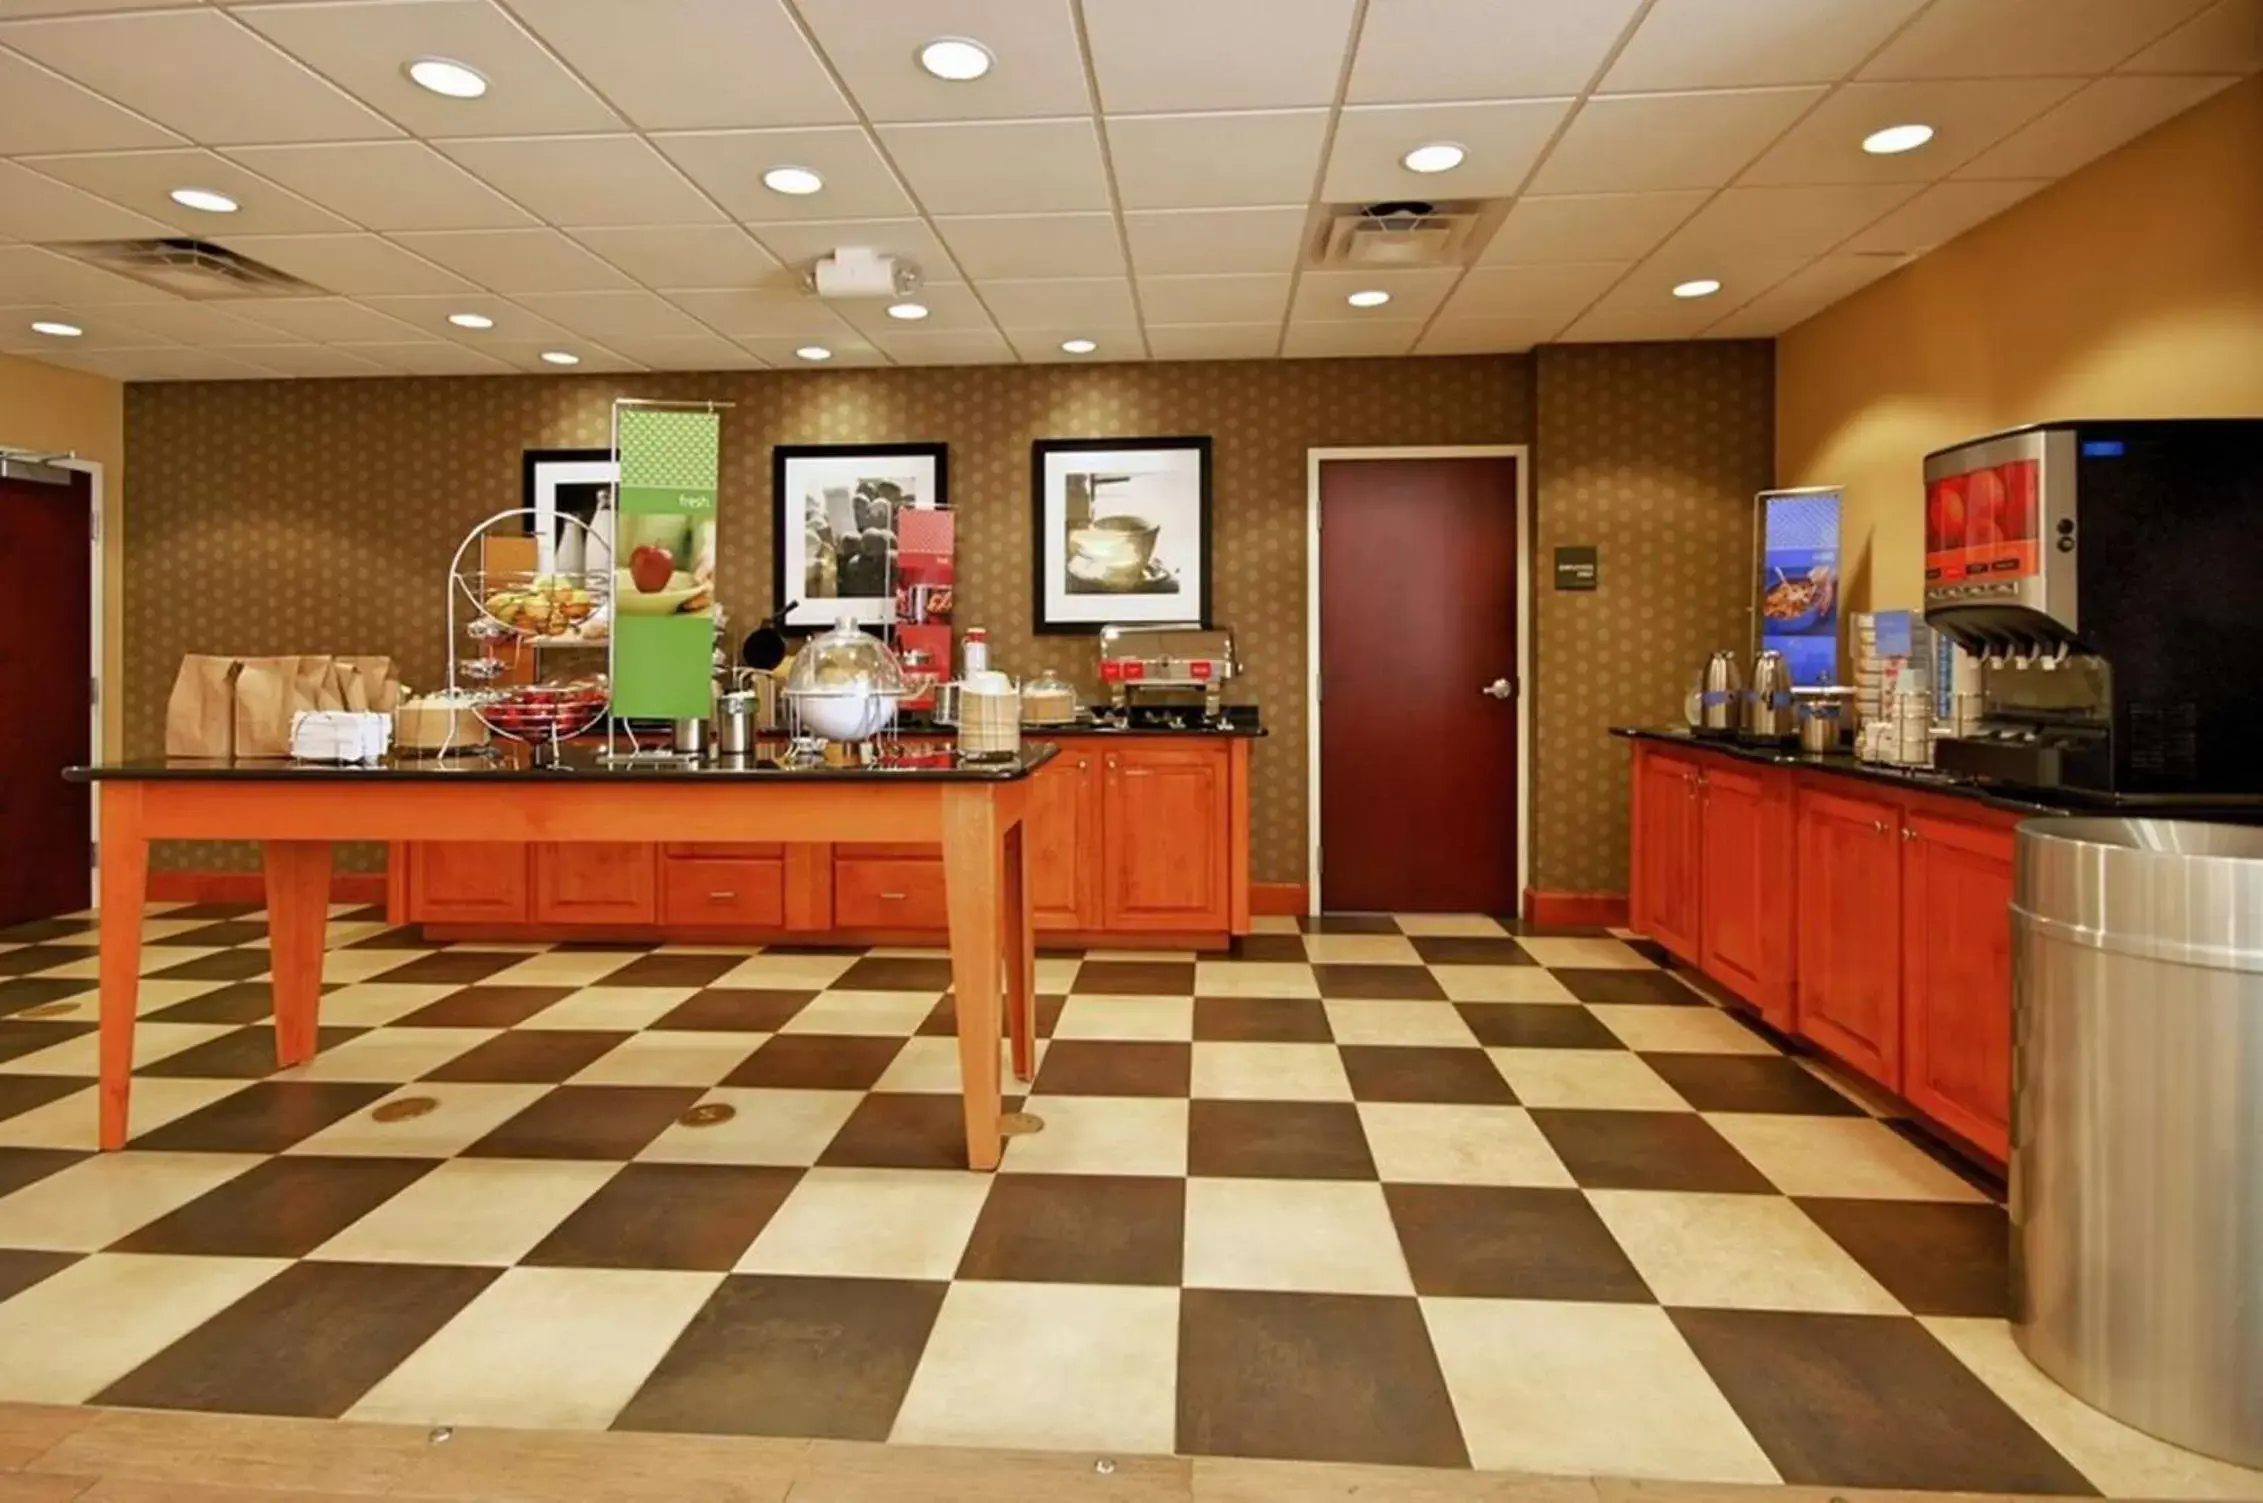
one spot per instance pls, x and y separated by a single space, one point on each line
989 717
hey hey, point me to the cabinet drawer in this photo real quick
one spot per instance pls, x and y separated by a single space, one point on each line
706 851
723 892
889 893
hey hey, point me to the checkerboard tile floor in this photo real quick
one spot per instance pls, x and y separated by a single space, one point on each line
1443 1191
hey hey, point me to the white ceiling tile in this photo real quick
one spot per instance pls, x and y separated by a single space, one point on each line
948 347
1829 278
1631 326
875 45
692 64
99 329
526 355
199 73
1787 221
41 110
729 164
951 308
1640 142
174 364
514 261
1157 55
2225 38
1043 346
427 317
1503 140
1213 341
1645 300
697 352
11 9
1101 302
1703 44
353 265
1482 49
144 181
593 181
1166 241
1486 336
1243 297
33 207
747 315
327 320
1587 227
1764 319
1940 214
2104 115
364 46
1967 117
1382 336
688 255
1556 291
386 185
848 351
29 274
307 360
1001 166
799 245
1217 161
1416 294
428 357
1035 245
2008 38
603 315
203 324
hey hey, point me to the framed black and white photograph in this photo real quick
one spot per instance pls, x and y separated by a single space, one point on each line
836 532
1121 531
555 484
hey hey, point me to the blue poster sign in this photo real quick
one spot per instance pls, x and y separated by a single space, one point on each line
1799 582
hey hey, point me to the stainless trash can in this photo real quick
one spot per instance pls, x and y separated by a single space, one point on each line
2137 1122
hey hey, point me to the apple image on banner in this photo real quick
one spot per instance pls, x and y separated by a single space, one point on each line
651 568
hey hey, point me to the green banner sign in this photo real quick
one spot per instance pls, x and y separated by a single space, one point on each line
664 564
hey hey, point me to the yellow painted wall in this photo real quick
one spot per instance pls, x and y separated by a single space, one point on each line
2134 288
47 408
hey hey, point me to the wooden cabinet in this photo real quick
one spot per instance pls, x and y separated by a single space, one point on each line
1062 828
593 882
468 882
1164 808
889 892
1850 930
701 892
1667 868
1957 976
1745 897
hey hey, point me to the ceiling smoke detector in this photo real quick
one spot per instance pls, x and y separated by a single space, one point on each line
859 271
1405 233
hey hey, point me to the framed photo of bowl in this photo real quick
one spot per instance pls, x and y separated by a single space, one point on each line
837 551
1122 531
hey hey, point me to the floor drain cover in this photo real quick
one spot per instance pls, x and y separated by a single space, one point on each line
709 1114
48 1010
407 1109
1020 1124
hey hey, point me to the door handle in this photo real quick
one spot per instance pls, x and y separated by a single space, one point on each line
1501 688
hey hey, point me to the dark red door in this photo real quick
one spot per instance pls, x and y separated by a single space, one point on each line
1418 616
44 649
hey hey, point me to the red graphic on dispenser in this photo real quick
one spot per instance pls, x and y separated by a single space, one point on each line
1982 525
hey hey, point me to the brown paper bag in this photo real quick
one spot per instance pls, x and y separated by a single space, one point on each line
380 683
313 686
352 692
266 698
200 715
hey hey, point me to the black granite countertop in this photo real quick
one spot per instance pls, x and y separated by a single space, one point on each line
1234 721
577 764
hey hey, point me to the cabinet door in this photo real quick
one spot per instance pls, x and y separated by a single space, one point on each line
1745 910
1957 988
468 881
1063 831
1666 874
1850 931
596 882
1164 809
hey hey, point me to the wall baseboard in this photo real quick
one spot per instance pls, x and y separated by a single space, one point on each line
1575 909
251 887
1277 899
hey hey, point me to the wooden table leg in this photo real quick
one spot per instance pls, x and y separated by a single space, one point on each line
973 854
298 912
1021 954
125 884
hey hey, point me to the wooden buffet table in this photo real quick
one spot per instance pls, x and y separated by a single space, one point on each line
297 812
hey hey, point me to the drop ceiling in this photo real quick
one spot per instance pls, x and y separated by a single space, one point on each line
1145 174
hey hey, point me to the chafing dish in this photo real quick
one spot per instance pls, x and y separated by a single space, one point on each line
1176 664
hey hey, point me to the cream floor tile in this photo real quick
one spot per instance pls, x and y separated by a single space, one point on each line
1562 1386
1849 1156
1066 1367
543 1348
871 1223
1501 983
1181 956
771 1127
71 1121
471 1212
1586 954
501 946
1269 1072
1165 1019
374 1004
155 931
2120 1461
930 1066
96 1201
1737 1252
360 965
1424 1144
1681 1030
1273 923
82 1055
742 951
392 1055
619 1008
562 968
1590 1079
79 1330
1435 1024
911 952
336 936
1103 1135
1055 975
1321 1236
1360 949
1254 978
798 973
1455 925
872 1014
465 1114
689 1058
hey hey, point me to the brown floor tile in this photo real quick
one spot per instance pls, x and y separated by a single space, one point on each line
901 1131
1278 1020
1277 1140
237 1002
1498 1243
1626 988
1079 1229
20 992
211 911
220 965
18 1039
284 1208
39 931
816 1062
1651 950
449 968
1527 929
1388 1072
406 937
1112 1067
1283 949
691 1216
246 1054
895 973
1134 978
483 1006
367 913
1869 1401
226 933
671 970
1347 923
266 1117
38 958
588 1122
1750 1083
1647 1151
1536 1025
1411 983
22 1166
732 1009
1471 949
1936 1257
310 1341
20 1270
942 1020
530 1056
1923 1140
771 1355
1312 1377
20 1093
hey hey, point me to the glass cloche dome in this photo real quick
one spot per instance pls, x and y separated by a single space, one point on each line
845 684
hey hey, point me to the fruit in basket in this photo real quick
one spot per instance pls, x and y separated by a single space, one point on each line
651 568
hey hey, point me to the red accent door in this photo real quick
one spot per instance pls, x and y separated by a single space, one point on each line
1745 914
1666 900
1850 931
1418 613
1957 992
46 640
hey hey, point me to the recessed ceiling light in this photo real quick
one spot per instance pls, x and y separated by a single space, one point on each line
56 328
471 320
1701 287
798 181
1895 139
204 199
1078 346
1373 297
446 76
908 312
955 59
1438 156
814 352
560 357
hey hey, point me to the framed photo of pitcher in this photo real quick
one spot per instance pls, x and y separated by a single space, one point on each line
1121 531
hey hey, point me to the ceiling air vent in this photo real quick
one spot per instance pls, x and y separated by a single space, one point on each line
1404 234
187 268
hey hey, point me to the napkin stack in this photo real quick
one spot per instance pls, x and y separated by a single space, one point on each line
340 736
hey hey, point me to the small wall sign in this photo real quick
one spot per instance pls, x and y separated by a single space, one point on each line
1576 568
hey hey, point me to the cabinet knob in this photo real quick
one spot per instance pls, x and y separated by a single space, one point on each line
891 897
1879 825
1909 832
721 897
1082 764
1111 764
